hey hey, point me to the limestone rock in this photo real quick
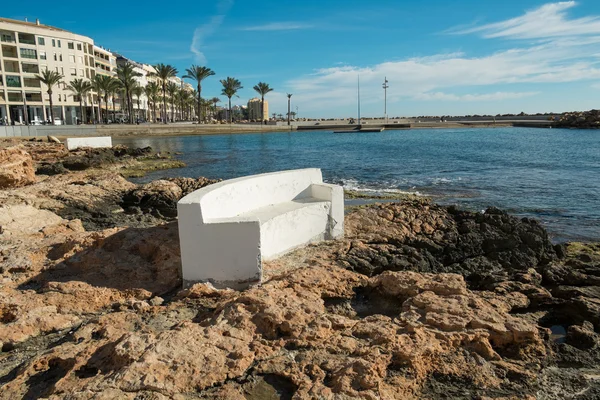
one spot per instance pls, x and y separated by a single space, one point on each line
16 167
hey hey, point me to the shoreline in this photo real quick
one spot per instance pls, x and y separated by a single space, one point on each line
176 129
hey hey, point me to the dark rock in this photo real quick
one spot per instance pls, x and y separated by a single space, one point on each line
583 336
51 169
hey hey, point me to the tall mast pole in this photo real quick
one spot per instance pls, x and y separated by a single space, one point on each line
359 99
385 88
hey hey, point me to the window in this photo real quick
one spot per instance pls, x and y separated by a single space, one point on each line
13 81
55 57
79 46
33 97
81 72
53 43
59 43
73 72
62 71
30 68
60 57
70 45
28 53
41 41
72 59
6 38
80 58
42 55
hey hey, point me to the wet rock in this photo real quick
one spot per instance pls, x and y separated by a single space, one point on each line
583 336
51 169
483 247
160 197
16 167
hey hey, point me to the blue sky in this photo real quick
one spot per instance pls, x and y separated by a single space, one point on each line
440 57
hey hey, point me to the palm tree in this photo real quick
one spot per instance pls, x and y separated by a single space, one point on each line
164 73
152 92
215 100
98 87
80 88
230 89
126 74
198 74
172 89
262 89
50 78
137 91
114 87
182 97
105 86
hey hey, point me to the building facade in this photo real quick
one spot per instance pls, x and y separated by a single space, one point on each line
28 48
254 109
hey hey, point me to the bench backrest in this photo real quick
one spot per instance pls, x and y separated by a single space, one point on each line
235 196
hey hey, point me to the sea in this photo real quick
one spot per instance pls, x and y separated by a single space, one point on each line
552 175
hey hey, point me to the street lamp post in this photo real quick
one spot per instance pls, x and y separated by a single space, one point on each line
385 88
289 95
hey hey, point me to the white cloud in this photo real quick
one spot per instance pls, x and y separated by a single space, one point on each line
202 32
548 21
277 26
434 77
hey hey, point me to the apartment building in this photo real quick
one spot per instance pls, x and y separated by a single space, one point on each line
254 109
27 48
141 107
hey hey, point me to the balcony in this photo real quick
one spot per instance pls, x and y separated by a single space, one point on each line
7 37
34 97
15 97
9 51
26 38
30 68
11 66
102 60
13 81
31 83
28 53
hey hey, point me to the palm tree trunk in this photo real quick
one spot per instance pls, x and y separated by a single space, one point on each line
199 99
114 109
164 103
81 109
99 109
229 111
262 110
51 109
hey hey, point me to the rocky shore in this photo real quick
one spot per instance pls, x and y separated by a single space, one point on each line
418 301
580 120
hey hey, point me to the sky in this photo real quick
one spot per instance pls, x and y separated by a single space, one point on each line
440 58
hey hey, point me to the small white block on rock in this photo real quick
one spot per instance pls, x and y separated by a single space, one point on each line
94 142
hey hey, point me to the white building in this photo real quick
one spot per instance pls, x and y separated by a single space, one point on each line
27 48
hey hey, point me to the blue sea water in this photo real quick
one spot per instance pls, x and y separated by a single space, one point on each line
550 174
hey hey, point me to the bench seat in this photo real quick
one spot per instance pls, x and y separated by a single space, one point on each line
290 223
227 229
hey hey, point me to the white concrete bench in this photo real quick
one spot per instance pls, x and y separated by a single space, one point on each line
227 229
94 142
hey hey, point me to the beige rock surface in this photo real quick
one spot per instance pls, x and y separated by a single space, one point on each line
101 314
16 167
